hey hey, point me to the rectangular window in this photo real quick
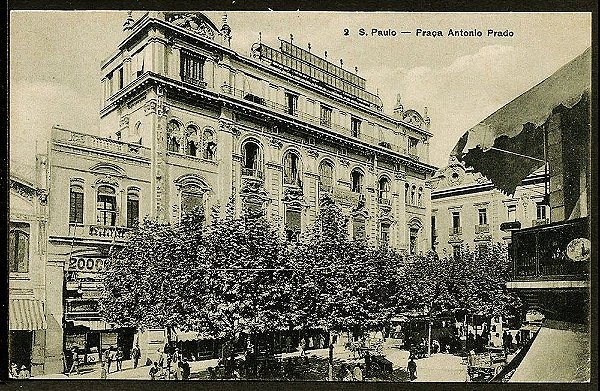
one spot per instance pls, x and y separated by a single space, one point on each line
18 252
291 103
412 145
121 78
355 127
133 211
358 228
107 209
433 231
455 220
76 206
385 234
541 211
326 116
293 225
413 244
192 68
483 216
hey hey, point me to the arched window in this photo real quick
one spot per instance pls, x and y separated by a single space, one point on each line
326 176
406 187
293 224
420 197
133 208
173 135
384 190
292 169
106 206
76 205
252 160
357 181
191 141
18 251
210 146
413 194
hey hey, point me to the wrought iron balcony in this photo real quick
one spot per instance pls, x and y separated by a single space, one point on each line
191 80
455 231
107 231
384 201
536 222
482 229
252 172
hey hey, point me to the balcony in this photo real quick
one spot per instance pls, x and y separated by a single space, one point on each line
509 226
68 137
384 201
194 81
252 172
107 231
536 222
317 121
455 231
545 252
482 229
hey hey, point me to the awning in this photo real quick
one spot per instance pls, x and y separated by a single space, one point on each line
519 126
26 314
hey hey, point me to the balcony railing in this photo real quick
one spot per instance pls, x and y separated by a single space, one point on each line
384 201
482 229
455 231
252 172
98 143
542 253
318 121
510 226
107 231
536 222
191 80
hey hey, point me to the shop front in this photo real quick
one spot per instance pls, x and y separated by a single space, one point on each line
27 335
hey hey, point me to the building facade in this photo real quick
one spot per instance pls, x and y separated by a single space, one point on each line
31 321
188 122
468 210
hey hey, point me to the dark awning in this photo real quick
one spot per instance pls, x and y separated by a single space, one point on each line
26 314
519 126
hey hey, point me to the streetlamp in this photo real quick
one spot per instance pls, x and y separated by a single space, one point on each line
427 310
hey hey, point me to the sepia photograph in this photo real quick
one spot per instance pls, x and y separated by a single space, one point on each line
300 196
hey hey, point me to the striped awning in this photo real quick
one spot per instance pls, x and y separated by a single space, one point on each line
26 314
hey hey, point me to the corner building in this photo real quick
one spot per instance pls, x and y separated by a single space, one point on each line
188 122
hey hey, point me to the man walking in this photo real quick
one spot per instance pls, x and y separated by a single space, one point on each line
119 357
412 368
75 357
135 355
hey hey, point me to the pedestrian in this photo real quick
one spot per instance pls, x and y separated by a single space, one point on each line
185 369
153 371
357 374
25 374
412 368
509 338
112 357
119 358
367 365
176 363
75 360
301 347
103 373
212 374
518 339
160 358
107 359
135 355
14 371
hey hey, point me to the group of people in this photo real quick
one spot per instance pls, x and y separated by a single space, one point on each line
169 364
19 373
509 342
347 374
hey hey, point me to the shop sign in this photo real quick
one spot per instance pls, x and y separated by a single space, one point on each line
108 340
77 340
578 249
86 264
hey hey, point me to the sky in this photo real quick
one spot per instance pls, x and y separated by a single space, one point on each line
55 63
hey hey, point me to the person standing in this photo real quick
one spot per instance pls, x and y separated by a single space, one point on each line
75 358
25 374
107 359
412 368
177 364
103 373
119 357
153 371
135 355
112 357
357 374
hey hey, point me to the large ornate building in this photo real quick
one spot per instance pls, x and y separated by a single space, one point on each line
189 122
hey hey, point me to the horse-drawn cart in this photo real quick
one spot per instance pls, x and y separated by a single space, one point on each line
484 366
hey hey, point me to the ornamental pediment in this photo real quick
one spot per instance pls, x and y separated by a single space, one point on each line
195 22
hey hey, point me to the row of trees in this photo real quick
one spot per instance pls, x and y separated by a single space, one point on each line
239 275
